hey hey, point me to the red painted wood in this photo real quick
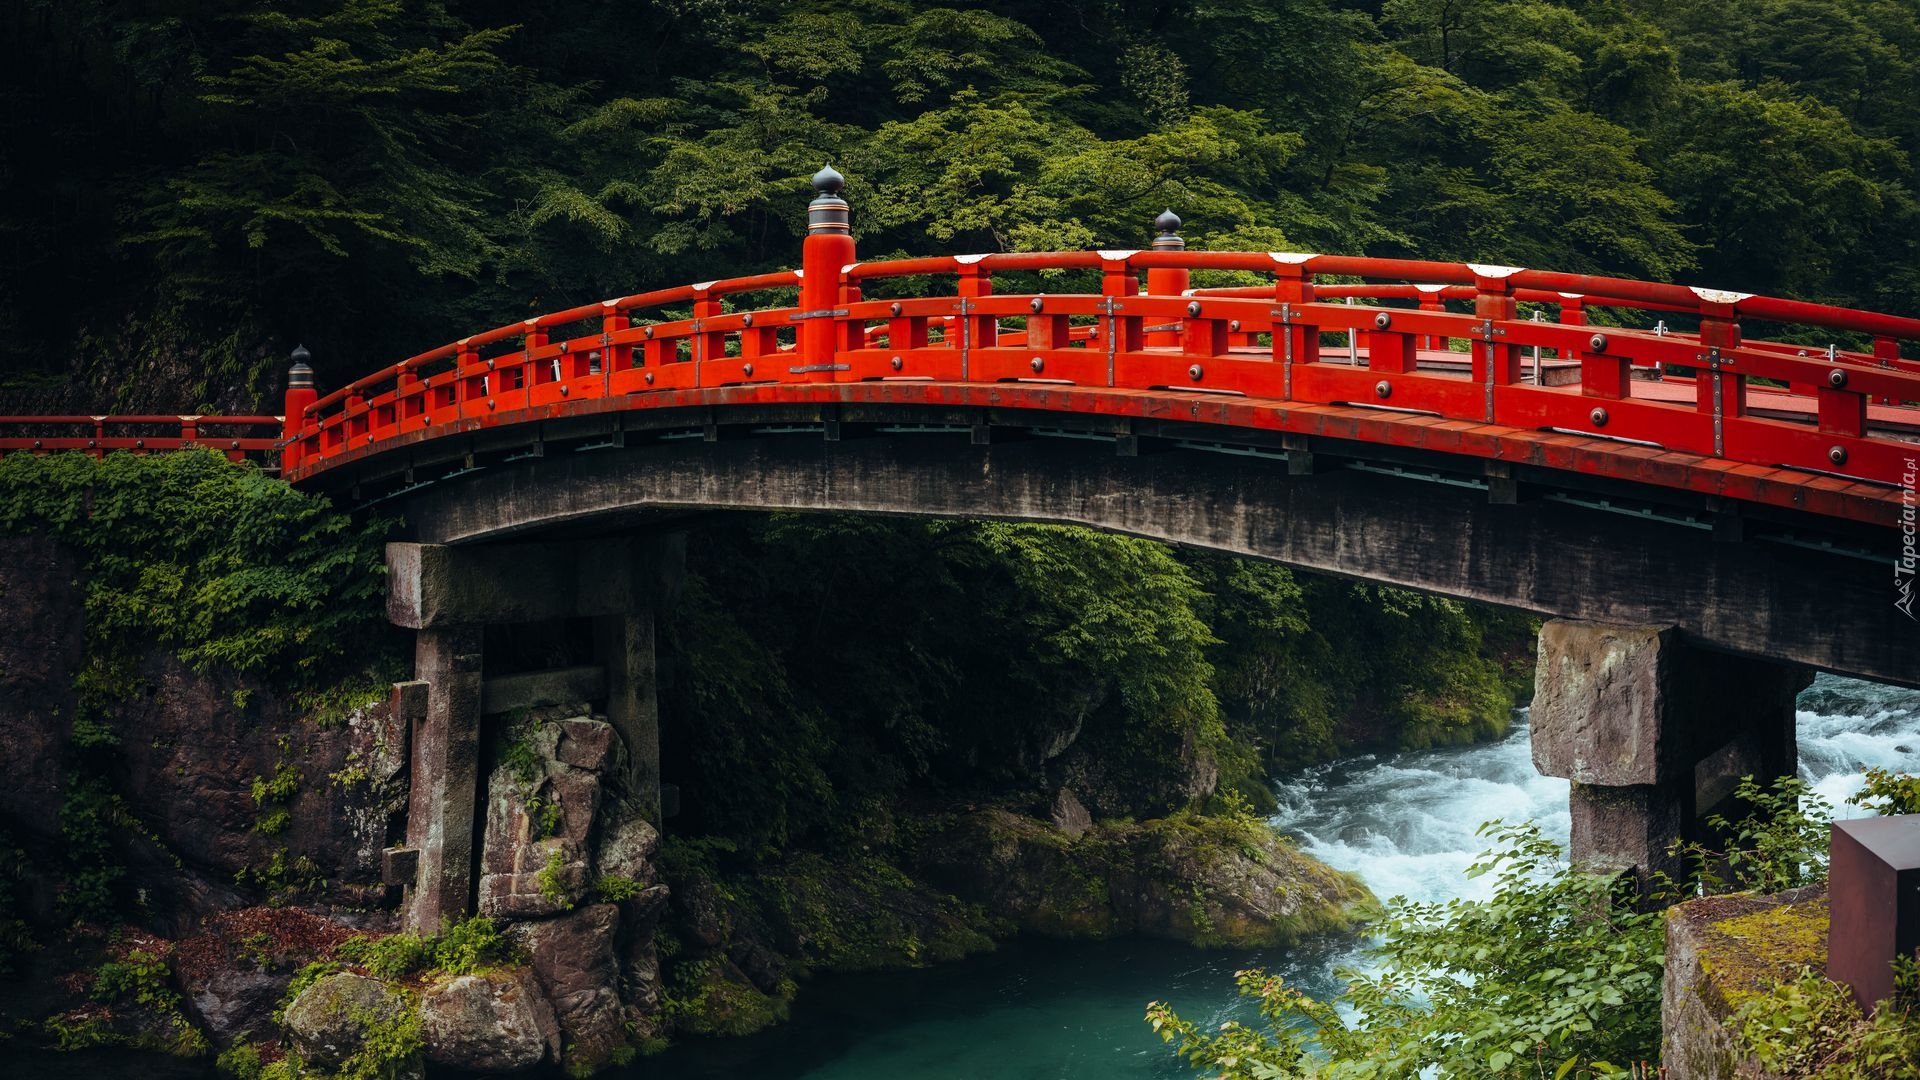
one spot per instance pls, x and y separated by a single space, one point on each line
1788 426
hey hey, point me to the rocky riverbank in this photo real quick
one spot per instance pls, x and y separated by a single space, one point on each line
990 730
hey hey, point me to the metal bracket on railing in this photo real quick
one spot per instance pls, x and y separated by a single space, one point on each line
1112 308
1719 406
966 339
1285 311
823 313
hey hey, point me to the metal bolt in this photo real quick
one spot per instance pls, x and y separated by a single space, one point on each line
36 444
235 444
564 346
1038 365
1383 389
1234 326
895 308
139 444
1598 416
1598 343
91 443
649 377
1837 455
1193 308
1382 321
746 369
1195 372
747 319
649 331
565 389
490 361
1035 304
1836 378
896 363
489 403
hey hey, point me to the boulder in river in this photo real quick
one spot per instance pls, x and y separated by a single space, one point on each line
1216 881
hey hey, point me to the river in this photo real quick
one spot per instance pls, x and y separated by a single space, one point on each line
1072 1011
1040 1010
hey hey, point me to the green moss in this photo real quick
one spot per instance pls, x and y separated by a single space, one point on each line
1749 954
613 888
552 889
133 1006
709 997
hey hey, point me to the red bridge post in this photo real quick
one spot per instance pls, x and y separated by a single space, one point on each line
1166 280
300 394
828 248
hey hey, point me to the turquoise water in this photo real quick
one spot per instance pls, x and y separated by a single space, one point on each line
1029 1011
1063 1011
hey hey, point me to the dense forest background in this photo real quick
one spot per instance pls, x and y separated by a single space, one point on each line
191 188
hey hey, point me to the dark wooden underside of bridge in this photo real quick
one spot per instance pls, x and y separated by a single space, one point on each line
1737 576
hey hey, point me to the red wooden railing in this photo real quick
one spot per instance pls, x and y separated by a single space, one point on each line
237 437
1829 416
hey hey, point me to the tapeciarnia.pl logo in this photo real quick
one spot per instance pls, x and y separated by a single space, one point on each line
1908 564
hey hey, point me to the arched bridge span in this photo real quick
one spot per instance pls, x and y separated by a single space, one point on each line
1785 585
1477 430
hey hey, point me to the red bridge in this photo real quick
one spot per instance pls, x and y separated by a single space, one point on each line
1413 369
1704 513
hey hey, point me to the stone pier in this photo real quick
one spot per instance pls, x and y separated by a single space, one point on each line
449 596
1655 734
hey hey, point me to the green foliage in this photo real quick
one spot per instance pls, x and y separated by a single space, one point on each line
470 945
434 168
140 976
270 795
91 817
392 957
803 704
389 1047
1781 843
213 559
461 948
612 888
240 1061
551 887
138 979
1552 976
1889 793
307 975
1811 1027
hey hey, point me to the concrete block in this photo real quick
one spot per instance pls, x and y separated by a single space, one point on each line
399 865
1600 704
436 585
1629 705
1721 950
1617 829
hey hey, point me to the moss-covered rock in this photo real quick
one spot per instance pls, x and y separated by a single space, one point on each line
742 931
496 1021
1213 881
1723 951
333 1019
712 996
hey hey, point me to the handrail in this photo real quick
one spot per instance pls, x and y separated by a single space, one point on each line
1233 340
1840 414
